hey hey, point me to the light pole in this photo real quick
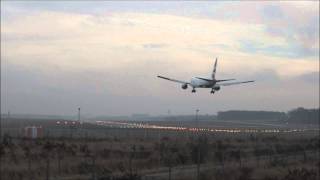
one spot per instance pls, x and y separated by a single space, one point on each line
198 148
79 115
79 121
197 122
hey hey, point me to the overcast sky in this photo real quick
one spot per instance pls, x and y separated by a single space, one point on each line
104 56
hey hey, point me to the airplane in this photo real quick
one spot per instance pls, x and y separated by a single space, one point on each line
213 83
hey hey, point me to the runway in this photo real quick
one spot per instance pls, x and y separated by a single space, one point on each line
135 125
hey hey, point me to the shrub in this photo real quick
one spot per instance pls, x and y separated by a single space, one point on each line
298 174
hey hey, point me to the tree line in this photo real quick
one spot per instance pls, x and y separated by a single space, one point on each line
298 115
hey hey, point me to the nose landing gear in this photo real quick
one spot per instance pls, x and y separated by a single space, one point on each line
212 91
193 90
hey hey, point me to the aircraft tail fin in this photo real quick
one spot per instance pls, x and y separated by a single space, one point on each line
214 70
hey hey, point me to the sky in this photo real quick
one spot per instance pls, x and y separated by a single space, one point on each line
104 56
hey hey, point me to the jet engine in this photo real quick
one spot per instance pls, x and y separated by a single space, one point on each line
184 86
216 88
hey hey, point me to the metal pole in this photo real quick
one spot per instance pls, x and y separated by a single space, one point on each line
197 125
198 148
79 121
79 115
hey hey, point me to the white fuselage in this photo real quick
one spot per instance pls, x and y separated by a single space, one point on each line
199 83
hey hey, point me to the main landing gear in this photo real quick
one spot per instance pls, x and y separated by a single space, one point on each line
212 91
193 90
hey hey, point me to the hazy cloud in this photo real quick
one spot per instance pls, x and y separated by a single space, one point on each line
58 56
152 46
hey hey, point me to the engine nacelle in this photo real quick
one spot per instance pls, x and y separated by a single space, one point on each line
216 88
184 86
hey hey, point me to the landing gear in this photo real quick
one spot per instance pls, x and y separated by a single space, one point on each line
193 90
212 91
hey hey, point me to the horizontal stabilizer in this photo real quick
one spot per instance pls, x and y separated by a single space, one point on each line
220 80
211 80
204 79
234 83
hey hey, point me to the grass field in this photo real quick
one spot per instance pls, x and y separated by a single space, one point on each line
93 151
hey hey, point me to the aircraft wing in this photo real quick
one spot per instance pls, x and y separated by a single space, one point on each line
174 80
233 83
